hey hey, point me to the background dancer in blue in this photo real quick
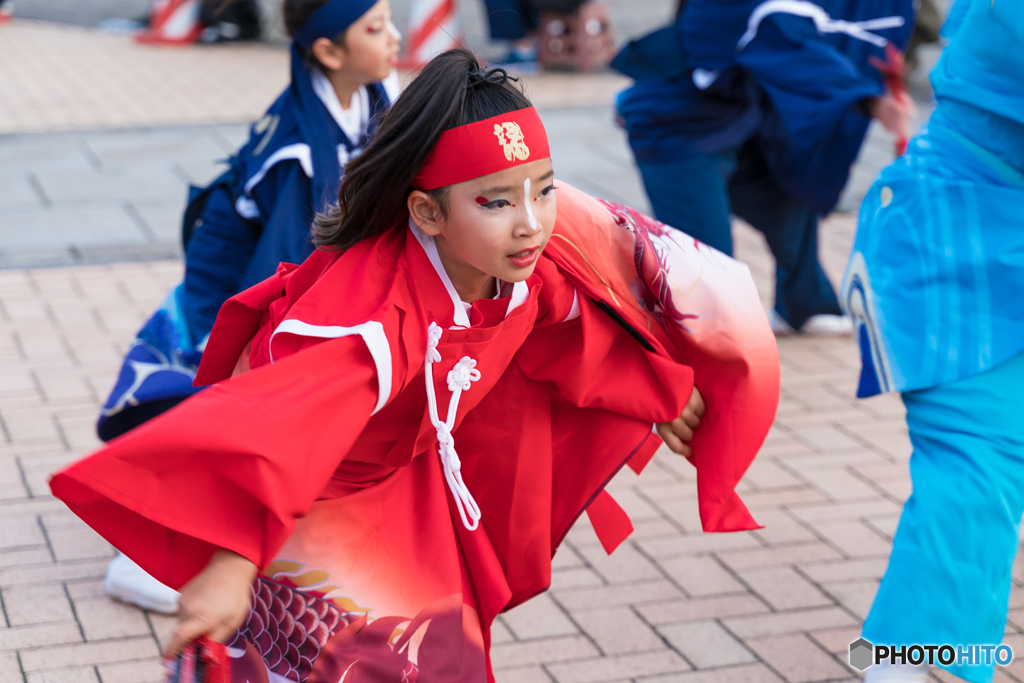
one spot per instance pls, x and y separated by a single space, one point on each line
258 214
936 289
759 109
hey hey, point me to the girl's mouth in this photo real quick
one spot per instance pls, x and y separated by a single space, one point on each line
525 258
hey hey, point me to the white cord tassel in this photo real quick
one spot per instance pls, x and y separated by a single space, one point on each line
460 379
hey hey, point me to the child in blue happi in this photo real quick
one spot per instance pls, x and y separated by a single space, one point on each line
935 285
258 214
759 109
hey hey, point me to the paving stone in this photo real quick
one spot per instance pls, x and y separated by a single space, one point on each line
797 658
676 611
617 595
701 576
706 645
529 674
622 666
625 564
837 640
699 544
102 652
539 618
22 637
842 571
840 485
74 674
783 588
855 539
102 619
10 669
618 630
773 557
780 528
576 577
855 596
144 671
749 673
516 655
796 621
25 605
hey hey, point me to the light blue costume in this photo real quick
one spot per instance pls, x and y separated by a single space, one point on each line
935 285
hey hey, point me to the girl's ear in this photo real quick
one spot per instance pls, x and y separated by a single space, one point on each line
425 212
330 55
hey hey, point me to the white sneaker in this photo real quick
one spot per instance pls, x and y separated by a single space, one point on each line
821 325
900 673
127 582
779 325
827 325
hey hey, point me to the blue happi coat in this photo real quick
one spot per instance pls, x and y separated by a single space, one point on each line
237 231
935 283
788 74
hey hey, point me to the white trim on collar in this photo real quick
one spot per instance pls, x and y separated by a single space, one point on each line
360 100
299 151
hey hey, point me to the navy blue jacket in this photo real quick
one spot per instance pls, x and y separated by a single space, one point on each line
789 74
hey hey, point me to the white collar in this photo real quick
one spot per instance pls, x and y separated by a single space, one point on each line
520 290
353 121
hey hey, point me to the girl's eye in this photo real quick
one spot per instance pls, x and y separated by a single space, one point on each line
374 29
547 191
497 204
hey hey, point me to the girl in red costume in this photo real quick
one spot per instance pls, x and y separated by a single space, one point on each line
313 506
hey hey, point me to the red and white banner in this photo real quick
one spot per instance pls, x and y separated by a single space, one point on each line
433 28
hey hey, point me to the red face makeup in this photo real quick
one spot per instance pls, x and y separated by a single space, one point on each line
483 200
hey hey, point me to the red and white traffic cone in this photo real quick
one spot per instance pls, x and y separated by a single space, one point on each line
433 28
174 22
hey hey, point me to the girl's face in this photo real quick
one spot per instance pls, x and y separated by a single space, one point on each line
496 226
372 44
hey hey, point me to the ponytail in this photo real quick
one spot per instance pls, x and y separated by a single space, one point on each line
451 91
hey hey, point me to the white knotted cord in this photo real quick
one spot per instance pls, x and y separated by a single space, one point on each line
460 379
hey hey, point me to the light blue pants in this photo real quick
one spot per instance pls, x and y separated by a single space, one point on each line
948 580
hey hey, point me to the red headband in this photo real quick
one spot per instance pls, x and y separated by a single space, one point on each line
485 147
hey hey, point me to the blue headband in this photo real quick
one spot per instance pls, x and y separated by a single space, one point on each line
331 20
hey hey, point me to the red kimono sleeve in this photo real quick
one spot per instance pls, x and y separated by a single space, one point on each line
594 363
233 467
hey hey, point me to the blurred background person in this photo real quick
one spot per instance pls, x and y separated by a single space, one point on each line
514 21
758 110
935 286
229 20
258 214
926 29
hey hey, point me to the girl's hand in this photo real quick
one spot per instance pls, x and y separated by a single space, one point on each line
894 113
215 603
676 433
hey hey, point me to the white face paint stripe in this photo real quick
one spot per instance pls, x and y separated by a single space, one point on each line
529 208
392 29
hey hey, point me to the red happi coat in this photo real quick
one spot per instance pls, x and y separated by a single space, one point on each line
321 464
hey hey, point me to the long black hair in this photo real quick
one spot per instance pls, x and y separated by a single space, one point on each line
451 91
